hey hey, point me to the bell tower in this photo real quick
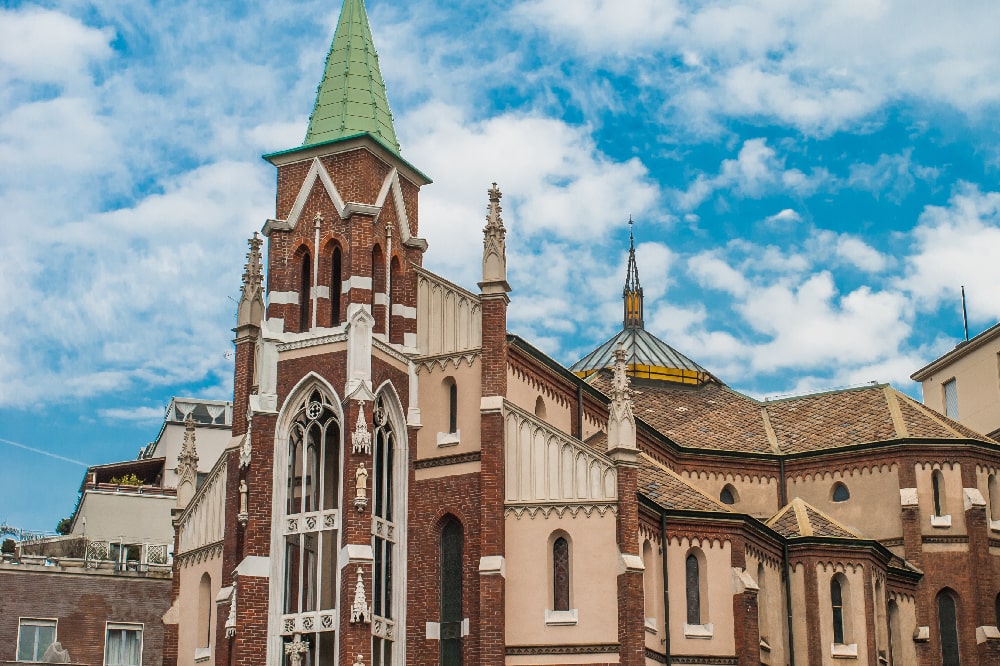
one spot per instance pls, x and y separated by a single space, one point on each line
345 229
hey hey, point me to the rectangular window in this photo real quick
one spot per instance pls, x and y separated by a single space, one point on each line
951 399
34 637
123 646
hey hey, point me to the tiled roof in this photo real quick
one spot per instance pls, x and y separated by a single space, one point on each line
798 518
713 416
670 491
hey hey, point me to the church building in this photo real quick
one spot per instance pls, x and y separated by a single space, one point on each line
408 483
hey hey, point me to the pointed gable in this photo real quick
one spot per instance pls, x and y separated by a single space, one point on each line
351 98
798 518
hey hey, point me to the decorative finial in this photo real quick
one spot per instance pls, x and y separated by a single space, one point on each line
494 243
621 421
187 464
250 310
632 294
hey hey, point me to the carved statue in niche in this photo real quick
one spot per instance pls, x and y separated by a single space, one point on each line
361 487
231 618
244 514
359 609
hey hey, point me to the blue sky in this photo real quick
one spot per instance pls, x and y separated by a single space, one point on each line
811 184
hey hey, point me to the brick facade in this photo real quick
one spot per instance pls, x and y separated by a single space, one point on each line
83 603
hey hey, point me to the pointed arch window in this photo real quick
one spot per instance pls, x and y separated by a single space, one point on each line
305 289
451 593
452 407
388 515
937 487
560 574
394 296
204 612
336 285
840 493
692 583
309 522
728 495
837 602
948 628
993 490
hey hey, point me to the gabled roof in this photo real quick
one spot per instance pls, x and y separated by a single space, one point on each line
351 97
670 491
647 357
798 518
715 417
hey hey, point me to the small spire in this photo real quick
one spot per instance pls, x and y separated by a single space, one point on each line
187 464
621 420
351 97
494 242
632 294
250 311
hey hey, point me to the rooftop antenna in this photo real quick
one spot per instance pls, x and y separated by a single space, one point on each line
965 315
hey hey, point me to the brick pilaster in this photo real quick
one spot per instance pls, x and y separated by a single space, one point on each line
813 628
631 601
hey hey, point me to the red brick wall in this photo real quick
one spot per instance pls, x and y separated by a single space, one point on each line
82 604
431 502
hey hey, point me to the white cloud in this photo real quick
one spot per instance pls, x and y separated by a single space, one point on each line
816 66
140 414
756 171
860 254
559 185
711 271
614 26
895 175
45 46
786 216
954 245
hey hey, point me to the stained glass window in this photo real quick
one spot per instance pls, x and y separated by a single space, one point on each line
693 585
560 574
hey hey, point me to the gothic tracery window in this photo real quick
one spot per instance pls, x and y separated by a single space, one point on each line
384 532
311 503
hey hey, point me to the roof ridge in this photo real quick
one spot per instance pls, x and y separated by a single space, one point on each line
818 394
675 475
938 418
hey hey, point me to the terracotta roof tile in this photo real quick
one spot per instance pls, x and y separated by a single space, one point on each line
715 417
670 491
798 518
829 420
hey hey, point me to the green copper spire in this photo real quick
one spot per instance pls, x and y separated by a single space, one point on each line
351 97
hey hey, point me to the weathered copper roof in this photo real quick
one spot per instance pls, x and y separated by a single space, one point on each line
647 357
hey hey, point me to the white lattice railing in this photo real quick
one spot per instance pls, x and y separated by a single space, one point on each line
316 521
307 623
384 529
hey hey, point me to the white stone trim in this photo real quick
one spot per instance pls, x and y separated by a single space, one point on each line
316 170
356 282
223 596
908 497
995 525
971 497
381 299
706 631
491 403
493 565
321 291
561 618
283 297
844 651
356 552
404 311
941 521
987 633
202 654
922 634
630 564
410 341
255 565
432 632
650 625
449 438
